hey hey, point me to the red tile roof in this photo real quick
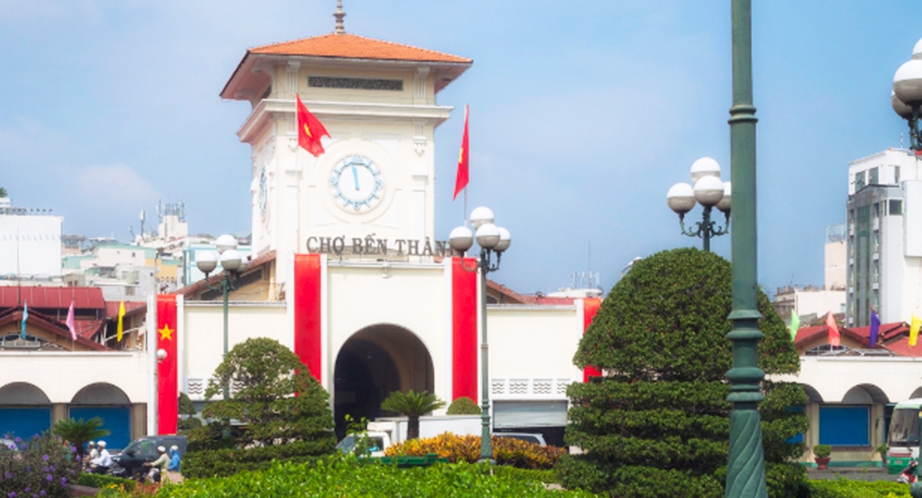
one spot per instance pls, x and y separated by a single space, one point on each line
891 336
131 308
348 46
516 298
52 297
84 330
202 284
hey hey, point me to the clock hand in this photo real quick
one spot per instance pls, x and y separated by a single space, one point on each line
355 176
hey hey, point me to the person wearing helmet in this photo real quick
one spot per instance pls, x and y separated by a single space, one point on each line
93 453
102 462
158 467
175 459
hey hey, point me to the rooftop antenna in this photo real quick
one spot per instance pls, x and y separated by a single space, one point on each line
339 15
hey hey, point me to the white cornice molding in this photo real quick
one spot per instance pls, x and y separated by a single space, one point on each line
269 108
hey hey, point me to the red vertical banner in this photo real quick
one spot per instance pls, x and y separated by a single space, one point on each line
307 312
464 328
590 308
167 374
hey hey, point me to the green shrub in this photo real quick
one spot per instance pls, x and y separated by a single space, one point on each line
41 465
844 488
463 406
338 477
506 451
658 421
822 450
100 481
228 461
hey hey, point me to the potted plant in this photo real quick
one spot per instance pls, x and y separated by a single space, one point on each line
882 451
821 453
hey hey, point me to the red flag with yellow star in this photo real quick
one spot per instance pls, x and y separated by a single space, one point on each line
167 374
310 129
461 178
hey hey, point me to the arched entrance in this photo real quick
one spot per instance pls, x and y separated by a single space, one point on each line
25 410
374 362
109 403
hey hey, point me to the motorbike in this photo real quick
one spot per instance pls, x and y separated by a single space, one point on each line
908 475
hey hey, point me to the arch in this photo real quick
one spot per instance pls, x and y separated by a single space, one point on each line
23 393
917 393
374 362
813 395
865 394
100 393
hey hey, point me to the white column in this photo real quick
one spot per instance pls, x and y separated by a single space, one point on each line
151 340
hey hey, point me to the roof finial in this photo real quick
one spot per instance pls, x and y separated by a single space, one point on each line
339 15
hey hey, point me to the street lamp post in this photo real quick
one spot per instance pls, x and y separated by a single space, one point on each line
746 465
233 264
493 240
708 191
906 97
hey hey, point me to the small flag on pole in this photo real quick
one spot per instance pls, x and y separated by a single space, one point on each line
875 327
70 322
833 330
310 129
462 177
914 330
25 316
795 324
121 316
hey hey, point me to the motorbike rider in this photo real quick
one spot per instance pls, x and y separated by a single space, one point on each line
103 462
158 467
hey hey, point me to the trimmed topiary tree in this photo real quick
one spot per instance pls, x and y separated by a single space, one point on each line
657 423
463 406
276 399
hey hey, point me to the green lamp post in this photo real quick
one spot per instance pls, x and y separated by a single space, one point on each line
233 264
493 240
708 191
746 466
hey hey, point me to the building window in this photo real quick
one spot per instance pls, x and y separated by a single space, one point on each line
896 174
859 180
845 425
874 176
877 210
896 207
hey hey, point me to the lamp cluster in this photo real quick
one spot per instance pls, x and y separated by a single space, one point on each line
906 97
226 252
488 235
710 192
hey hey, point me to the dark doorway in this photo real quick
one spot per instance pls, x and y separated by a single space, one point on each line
374 362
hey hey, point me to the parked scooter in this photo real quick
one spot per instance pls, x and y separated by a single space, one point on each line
908 475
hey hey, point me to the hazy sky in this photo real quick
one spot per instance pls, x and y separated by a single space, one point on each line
583 114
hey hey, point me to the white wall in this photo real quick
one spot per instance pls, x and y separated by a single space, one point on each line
531 350
61 375
833 377
202 335
30 245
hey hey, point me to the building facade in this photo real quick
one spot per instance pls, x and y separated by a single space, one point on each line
884 219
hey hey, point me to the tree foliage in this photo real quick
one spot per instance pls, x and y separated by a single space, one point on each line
413 405
660 415
275 398
79 432
463 406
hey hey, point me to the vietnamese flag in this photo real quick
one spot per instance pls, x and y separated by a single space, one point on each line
167 375
832 329
310 129
461 178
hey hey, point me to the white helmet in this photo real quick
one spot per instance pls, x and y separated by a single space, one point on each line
102 444
161 449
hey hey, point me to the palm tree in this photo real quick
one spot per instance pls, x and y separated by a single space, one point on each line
3 192
412 405
79 432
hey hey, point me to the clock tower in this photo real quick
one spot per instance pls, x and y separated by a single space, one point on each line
375 180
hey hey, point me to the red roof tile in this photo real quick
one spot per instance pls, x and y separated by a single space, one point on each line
84 330
131 307
52 297
348 46
202 285
525 298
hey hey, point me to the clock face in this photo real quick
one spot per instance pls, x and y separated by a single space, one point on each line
356 183
262 193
